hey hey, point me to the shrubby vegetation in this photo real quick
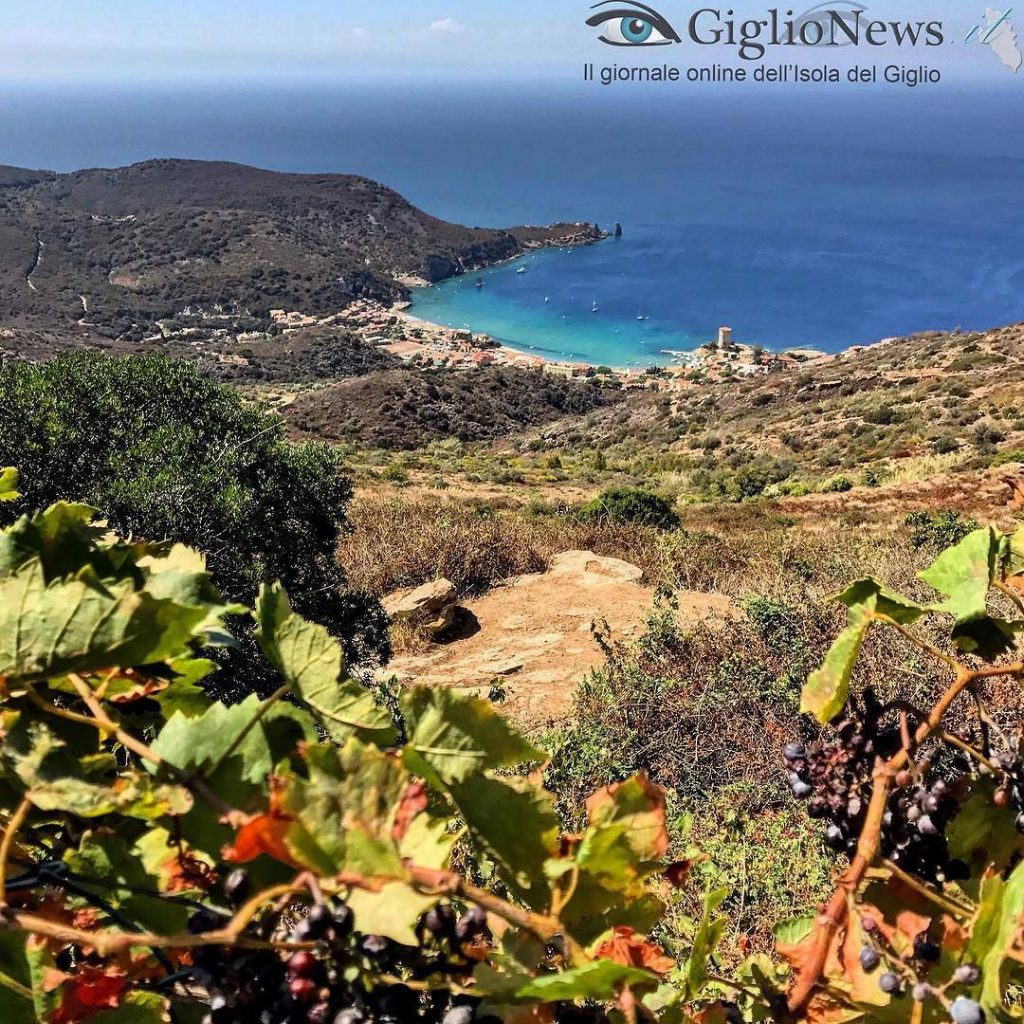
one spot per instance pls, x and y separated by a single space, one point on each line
631 505
319 857
168 454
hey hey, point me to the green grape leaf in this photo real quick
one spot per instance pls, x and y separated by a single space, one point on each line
346 812
9 484
452 737
137 1007
41 967
709 934
995 930
55 779
393 912
987 638
886 602
179 575
828 688
1013 552
600 980
618 853
311 661
133 795
514 822
793 931
965 573
84 627
199 743
64 539
183 693
17 1004
128 877
980 838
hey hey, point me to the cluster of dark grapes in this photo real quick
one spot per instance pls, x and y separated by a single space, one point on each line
342 979
835 779
963 1009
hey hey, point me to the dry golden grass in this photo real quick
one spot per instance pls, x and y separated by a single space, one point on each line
403 542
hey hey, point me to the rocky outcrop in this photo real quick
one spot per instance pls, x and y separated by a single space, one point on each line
431 607
534 634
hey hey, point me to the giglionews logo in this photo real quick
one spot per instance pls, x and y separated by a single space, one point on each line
831 24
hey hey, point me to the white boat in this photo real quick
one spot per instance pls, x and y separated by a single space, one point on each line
640 316
521 270
593 308
547 299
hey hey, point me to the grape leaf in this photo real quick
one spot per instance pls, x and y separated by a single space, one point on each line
9 484
128 883
84 627
886 602
41 967
199 743
965 573
619 852
137 1007
995 930
598 980
987 637
639 807
64 539
345 811
514 821
311 661
710 931
453 737
55 779
828 688
980 838
134 795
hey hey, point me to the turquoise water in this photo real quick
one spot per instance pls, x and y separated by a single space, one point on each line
549 310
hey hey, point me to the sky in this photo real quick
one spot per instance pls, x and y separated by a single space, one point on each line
138 40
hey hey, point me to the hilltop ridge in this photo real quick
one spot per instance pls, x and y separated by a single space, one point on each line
112 250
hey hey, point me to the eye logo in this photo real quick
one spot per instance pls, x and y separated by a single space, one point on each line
634 25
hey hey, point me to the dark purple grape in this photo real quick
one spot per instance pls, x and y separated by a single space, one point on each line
966 1011
967 974
237 886
344 920
870 959
922 992
889 983
472 924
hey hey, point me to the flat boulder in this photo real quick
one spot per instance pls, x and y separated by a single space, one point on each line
422 605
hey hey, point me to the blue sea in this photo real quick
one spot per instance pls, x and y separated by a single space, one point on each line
799 217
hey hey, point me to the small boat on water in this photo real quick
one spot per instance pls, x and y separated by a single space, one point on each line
521 270
594 307
641 316
547 299
479 282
